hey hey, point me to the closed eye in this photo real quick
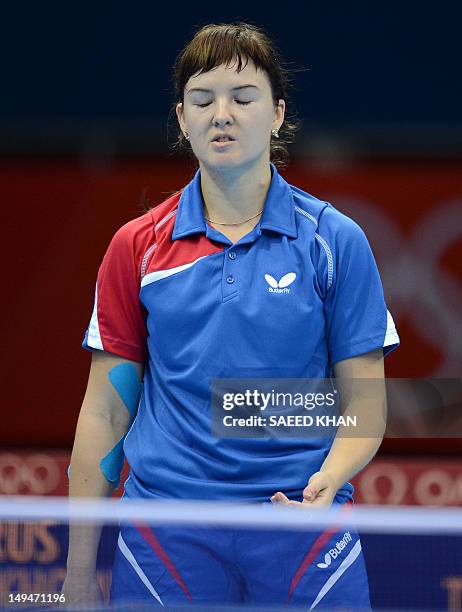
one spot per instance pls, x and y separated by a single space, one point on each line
238 101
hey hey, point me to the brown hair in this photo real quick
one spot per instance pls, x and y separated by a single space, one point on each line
223 43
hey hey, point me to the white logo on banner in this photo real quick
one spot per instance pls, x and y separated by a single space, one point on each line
36 474
410 267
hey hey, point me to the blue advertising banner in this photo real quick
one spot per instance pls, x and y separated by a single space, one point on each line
418 572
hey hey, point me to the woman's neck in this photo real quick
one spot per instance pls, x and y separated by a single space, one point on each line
233 197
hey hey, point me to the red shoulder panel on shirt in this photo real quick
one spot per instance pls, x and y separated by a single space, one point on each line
168 253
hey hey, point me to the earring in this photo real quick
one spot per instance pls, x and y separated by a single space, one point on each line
186 135
275 133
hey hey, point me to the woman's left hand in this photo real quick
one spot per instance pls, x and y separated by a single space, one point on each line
319 492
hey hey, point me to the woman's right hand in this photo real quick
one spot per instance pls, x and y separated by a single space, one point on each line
81 587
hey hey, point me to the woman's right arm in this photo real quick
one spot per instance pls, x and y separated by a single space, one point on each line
103 420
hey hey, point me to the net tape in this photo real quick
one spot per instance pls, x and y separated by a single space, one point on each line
373 519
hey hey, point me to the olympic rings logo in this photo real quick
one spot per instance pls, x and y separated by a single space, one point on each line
389 483
36 474
412 275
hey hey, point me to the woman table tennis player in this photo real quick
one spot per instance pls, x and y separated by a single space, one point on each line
238 275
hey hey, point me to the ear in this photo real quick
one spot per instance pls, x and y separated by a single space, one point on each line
279 114
179 114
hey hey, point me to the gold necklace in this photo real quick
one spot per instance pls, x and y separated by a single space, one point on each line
238 223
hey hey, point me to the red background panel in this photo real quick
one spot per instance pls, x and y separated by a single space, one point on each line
59 216
390 481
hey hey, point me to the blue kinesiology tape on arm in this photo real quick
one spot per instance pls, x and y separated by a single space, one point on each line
124 379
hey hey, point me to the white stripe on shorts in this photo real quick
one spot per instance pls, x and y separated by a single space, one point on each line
344 565
131 559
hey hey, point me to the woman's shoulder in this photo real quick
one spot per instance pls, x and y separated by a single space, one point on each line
140 232
327 220
166 209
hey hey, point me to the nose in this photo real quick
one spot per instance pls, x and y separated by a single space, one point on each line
222 115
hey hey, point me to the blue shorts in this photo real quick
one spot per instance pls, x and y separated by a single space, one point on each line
204 566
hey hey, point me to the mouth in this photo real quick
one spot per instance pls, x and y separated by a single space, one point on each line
222 142
223 138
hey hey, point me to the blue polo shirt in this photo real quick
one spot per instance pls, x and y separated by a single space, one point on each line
297 294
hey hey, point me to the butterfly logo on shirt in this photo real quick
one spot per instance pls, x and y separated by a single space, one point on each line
281 286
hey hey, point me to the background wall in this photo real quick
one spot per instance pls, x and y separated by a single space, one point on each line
95 78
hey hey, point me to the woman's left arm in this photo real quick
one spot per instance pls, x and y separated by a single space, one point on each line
349 454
